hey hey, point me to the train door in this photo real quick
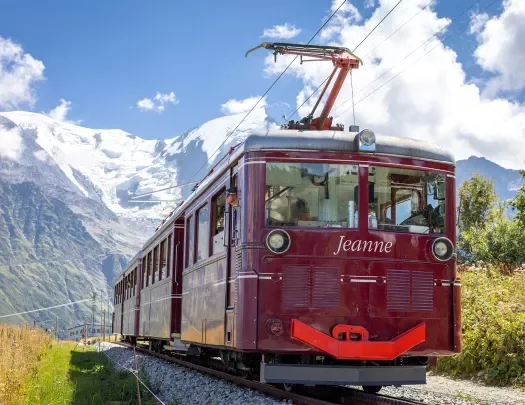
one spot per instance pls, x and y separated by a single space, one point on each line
233 263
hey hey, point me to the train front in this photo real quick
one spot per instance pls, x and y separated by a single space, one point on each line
356 267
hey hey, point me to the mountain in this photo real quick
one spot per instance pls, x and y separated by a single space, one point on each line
506 181
66 223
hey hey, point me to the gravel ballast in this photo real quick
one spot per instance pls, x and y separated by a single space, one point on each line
175 384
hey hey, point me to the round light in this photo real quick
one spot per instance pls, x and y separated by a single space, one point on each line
367 137
442 249
278 241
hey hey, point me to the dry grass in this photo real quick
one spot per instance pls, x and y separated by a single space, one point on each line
21 348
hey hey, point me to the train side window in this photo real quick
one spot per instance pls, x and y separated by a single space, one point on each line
189 241
148 278
162 263
203 233
135 281
169 262
155 276
218 208
143 272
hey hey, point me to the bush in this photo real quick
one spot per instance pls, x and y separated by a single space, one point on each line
493 327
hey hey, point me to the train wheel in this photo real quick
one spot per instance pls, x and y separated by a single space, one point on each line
372 389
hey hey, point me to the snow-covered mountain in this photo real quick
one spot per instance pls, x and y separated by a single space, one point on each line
52 170
111 165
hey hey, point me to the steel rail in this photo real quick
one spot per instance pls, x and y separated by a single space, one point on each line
341 395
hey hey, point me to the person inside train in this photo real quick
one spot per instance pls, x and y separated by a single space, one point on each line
231 196
300 211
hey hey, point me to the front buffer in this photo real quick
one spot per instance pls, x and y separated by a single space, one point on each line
340 347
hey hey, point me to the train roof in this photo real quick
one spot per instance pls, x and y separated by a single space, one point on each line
310 140
340 141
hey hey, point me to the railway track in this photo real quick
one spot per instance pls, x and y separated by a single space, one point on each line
310 396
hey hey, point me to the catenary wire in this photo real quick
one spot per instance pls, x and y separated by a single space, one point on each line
408 55
45 309
377 25
421 57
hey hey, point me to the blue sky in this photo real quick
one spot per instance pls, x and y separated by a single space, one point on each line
104 56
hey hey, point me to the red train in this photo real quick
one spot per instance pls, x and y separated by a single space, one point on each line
307 257
295 281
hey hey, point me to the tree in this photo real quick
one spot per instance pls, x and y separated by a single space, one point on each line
477 199
500 242
518 203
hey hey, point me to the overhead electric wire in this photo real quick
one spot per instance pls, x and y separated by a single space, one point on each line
421 57
45 309
264 95
408 55
377 25
401 26
310 96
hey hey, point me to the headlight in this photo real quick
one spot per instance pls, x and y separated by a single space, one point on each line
442 249
278 241
367 137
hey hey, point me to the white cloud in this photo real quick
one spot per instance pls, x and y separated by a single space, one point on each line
432 99
11 145
19 72
285 31
59 113
158 102
501 47
370 3
234 106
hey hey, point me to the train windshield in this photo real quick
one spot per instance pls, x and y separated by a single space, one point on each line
326 195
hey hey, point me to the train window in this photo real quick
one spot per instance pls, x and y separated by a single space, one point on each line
311 195
203 233
135 281
189 241
148 278
168 254
143 272
407 200
164 258
155 275
218 207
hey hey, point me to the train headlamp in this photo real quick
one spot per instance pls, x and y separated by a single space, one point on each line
442 249
278 241
367 137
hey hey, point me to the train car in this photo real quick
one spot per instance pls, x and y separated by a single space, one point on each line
314 257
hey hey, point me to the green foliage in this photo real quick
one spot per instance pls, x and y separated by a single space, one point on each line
500 242
68 374
477 198
493 329
519 203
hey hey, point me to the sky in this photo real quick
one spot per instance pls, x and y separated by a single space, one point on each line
157 69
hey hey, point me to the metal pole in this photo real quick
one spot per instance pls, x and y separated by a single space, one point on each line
85 331
104 328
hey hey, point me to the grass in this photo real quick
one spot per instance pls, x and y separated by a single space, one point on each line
21 349
493 329
73 374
